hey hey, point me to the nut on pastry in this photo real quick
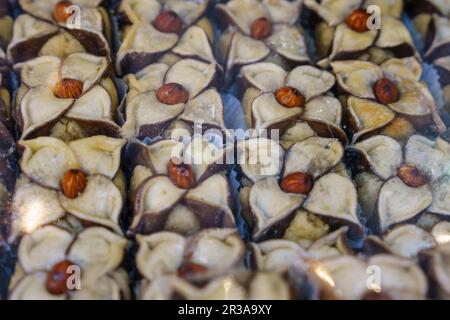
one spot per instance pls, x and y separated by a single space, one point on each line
342 31
276 99
178 96
377 96
76 88
261 30
45 256
412 179
162 31
80 179
86 21
179 187
280 192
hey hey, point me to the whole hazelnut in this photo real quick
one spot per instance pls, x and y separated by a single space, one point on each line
168 22
68 89
357 20
297 182
289 97
61 12
57 278
181 175
73 183
261 28
172 93
386 91
412 176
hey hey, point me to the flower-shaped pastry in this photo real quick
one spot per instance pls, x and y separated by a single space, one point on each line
237 286
206 255
389 97
56 264
292 193
346 278
436 261
343 32
406 240
179 187
401 183
67 98
276 99
162 98
281 255
437 38
163 31
80 178
86 22
431 19
35 38
262 30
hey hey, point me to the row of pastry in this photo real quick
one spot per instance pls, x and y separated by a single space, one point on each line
301 208
386 175
68 215
389 79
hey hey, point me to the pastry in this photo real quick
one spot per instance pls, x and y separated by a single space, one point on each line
300 194
379 277
400 183
241 286
342 31
281 255
208 254
52 27
179 186
261 30
163 31
431 20
277 99
389 98
435 261
68 184
162 99
332 272
54 264
407 240
69 98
